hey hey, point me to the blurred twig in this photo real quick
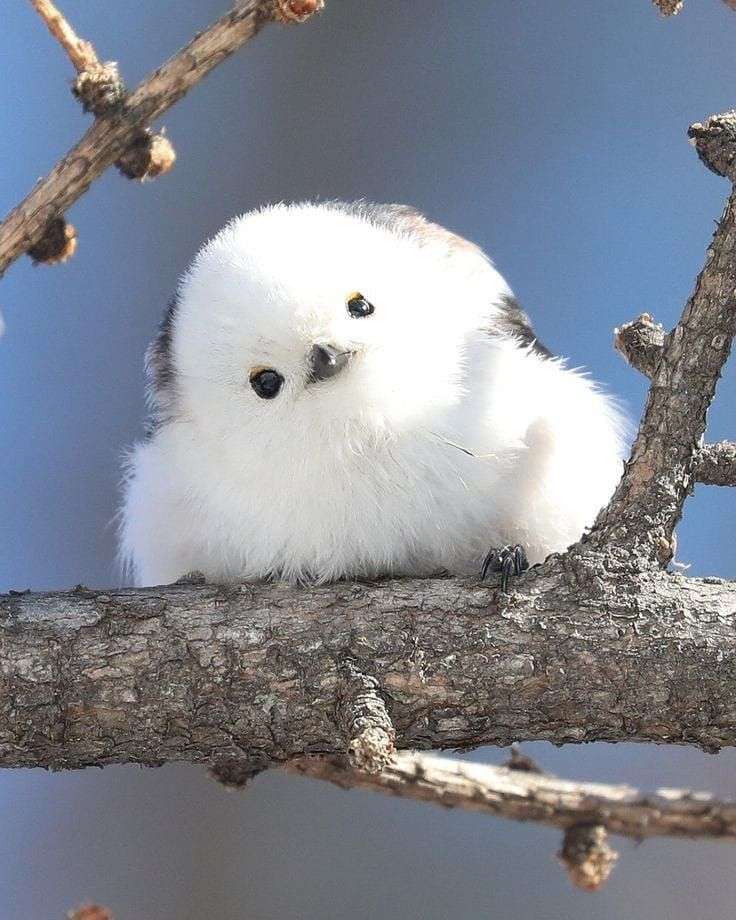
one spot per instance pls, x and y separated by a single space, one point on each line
120 125
534 796
668 7
90 912
673 7
81 53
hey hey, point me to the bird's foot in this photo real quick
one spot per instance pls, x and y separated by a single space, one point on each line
509 560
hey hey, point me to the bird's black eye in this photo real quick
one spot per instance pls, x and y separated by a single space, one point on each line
358 306
266 383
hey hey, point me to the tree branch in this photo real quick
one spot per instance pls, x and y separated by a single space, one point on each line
81 53
113 132
254 672
521 795
641 342
638 523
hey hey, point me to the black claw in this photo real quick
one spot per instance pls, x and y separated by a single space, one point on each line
510 560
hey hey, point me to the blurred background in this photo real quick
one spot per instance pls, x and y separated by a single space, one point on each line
553 134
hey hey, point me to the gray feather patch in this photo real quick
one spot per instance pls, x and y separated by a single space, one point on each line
161 372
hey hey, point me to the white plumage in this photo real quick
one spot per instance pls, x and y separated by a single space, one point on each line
447 431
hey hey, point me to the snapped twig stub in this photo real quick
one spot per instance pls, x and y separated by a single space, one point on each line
715 464
668 7
90 912
641 342
715 141
587 856
365 720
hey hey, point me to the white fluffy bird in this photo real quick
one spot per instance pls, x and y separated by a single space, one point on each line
349 390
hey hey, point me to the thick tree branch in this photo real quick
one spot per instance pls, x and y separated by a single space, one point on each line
638 523
534 796
113 132
579 652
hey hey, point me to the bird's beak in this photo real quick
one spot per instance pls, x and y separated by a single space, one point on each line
326 361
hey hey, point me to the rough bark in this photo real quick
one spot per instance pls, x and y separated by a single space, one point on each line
639 521
255 672
715 464
641 342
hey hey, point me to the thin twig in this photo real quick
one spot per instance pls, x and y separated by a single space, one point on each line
539 797
110 136
81 53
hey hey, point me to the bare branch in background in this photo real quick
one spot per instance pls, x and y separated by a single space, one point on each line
81 53
98 85
113 132
522 795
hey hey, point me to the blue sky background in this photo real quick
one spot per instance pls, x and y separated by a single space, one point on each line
553 134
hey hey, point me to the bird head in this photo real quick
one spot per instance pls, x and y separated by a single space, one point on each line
296 319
